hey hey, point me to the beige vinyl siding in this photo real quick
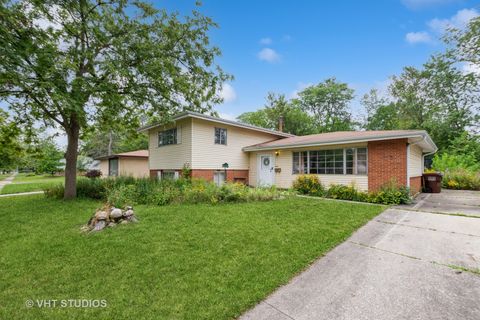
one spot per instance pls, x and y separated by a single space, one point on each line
103 166
208 155
172 156
135 167
415 161
285 178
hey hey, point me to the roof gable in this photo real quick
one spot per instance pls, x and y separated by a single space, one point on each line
191 114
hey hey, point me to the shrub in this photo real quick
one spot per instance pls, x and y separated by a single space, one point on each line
461 179
94 173
337 191
390 193
447 162
121 191
122 195
309 184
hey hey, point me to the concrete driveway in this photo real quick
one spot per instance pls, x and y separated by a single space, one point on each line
410 262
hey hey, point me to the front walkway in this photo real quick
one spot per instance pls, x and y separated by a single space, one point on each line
7 180
407 263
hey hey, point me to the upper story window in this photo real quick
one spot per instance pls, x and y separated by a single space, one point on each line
220 136
167 137
335 161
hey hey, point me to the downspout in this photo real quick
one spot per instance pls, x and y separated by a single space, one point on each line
408 157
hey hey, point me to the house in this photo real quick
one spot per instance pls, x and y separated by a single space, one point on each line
133 163
219 149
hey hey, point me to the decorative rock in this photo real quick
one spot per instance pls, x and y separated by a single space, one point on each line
99 225
132 218
115 213
101 215
109 217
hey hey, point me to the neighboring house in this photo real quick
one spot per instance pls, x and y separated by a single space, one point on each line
133 163
218 149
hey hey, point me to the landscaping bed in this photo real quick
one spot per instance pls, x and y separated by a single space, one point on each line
198 261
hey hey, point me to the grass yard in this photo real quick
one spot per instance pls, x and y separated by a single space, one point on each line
27 183
178 262
3 176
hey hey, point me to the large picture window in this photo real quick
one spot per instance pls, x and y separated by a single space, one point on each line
335 161
167 137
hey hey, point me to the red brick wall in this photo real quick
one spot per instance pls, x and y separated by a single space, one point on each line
232 175
202 174
415 185
387 160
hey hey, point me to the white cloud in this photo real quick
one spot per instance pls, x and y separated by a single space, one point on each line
459 21
269 55
418 37
228 93
420 4
440 26
266 41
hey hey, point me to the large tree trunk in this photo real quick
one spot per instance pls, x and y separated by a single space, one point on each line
71 162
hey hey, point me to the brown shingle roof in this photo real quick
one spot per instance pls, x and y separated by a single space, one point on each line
338 137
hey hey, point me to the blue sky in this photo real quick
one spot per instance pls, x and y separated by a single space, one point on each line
283 46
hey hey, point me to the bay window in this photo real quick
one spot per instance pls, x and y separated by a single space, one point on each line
334 161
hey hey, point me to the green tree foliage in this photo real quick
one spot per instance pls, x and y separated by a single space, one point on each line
328 101
99 142
48 158
70 64
10 145
381 113
296 121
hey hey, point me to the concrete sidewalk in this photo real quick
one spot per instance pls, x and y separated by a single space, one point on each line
402 265
20 194
7 180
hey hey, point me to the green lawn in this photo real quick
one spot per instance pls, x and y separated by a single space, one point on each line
26 183
3 176
179 262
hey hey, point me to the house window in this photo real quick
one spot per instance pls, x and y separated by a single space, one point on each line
335 161
356 162
300 162
220 136
169 175
219 177
167 137
113 167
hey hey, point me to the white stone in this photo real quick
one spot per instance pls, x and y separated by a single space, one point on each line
115 213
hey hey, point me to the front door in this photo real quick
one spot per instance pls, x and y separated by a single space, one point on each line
266 170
